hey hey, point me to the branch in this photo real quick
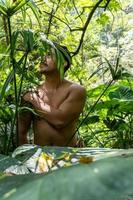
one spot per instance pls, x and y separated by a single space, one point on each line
77 11
106 5
85 7
77 29
86 25
51 16
50 21
58 19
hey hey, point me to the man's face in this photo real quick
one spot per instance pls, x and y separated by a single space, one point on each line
48 63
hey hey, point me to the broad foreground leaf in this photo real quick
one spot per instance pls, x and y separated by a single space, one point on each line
106 179
44 159
12 165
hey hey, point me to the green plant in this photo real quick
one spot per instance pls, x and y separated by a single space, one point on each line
96 32
8 9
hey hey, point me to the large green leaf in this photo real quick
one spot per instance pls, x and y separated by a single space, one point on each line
121 100
108 179
122 92
19 4
44 159
48 46
103 19
35 10
14 40
28 39
6 161
6 83
8 7
116 105
91 120
2 9
12 165
24 152
12 183
60 63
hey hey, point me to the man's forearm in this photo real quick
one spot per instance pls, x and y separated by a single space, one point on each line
53 117
49 116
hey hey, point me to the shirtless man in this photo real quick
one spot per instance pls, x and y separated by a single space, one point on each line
58 104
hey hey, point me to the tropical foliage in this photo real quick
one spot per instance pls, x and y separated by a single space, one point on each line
98 35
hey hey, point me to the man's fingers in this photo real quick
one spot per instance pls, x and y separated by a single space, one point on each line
33 89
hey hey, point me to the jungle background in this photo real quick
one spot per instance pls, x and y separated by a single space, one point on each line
99 35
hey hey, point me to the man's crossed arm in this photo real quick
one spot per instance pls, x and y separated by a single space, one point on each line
68 111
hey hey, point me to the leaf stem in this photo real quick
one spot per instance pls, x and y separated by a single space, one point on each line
12 62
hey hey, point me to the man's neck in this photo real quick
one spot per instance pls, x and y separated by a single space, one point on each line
52 81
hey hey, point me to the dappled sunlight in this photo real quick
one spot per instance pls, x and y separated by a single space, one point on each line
6 195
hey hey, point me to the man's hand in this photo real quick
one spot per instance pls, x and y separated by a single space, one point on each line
33 98
36 99
30 97
33 94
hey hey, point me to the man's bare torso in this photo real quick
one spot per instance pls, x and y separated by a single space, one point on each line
46 133
58 109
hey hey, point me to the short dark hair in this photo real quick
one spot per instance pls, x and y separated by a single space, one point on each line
66 54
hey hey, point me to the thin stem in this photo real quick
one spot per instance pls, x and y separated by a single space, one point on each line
12 61
22 77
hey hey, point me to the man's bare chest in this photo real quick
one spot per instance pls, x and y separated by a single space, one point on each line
54 98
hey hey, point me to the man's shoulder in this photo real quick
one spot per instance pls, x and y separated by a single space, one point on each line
75 87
